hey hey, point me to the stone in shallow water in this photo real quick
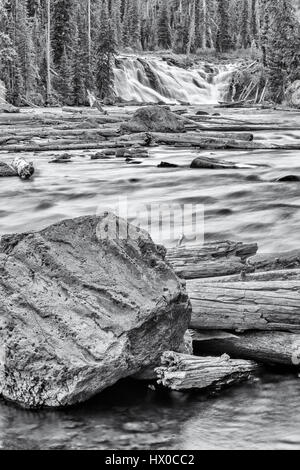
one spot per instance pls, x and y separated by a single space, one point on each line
81 309
154 119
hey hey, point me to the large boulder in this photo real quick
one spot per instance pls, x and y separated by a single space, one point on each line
153 119
292 95
82 308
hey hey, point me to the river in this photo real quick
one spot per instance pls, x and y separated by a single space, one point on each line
244 204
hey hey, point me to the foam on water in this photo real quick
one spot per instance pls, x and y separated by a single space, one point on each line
154 80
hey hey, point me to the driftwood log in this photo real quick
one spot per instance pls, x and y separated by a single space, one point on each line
185 372
268 262
241 306
220 258
268 347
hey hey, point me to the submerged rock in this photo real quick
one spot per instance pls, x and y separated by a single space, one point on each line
6 170
167 165
154 119
288 179
82 308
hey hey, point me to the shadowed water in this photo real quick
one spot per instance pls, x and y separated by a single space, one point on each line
262 414
244 204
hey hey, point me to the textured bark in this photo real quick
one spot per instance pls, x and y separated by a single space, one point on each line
219 258
270 347
241 306
82 308
280 275
272 262
184 372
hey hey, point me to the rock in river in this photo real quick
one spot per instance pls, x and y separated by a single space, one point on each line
82 308
153 119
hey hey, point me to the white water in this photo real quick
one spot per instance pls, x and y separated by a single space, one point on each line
153 80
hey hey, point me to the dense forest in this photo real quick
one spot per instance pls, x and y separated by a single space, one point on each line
53 51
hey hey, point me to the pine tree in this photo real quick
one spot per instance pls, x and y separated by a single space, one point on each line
163 26
223 42
254 20
63 28
283 47
106 52
245 26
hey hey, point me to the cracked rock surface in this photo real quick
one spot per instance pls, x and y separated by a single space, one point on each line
81 309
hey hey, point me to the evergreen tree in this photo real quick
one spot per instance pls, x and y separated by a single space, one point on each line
62 29
245 26
223 42
106 52
283 47
163 27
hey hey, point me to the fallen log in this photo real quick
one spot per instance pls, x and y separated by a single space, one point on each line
279 275
24 169
271 347
68 147
46 134
242 306
219 258
275 261
185 372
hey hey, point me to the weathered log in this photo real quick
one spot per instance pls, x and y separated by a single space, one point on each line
68 147
24 169
219 258
185 372
270 347
232 104
245 276
241 306
275 261
87 134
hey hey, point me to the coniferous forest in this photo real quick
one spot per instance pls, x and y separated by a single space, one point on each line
53 51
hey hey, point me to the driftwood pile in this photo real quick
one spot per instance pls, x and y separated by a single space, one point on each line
244 305
88 128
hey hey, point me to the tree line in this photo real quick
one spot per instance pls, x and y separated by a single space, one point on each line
53 51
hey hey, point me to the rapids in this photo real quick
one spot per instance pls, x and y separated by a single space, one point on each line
153 80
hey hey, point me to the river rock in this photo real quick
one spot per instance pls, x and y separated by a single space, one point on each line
82 308
292 95
7 170
153 119
288 179
212 163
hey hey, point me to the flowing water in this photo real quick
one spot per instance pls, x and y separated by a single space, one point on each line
153 80
244 204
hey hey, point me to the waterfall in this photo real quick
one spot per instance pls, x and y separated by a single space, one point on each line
146 80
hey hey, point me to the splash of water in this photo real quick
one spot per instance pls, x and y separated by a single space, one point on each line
153 80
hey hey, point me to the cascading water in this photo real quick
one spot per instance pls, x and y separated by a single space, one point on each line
153 80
